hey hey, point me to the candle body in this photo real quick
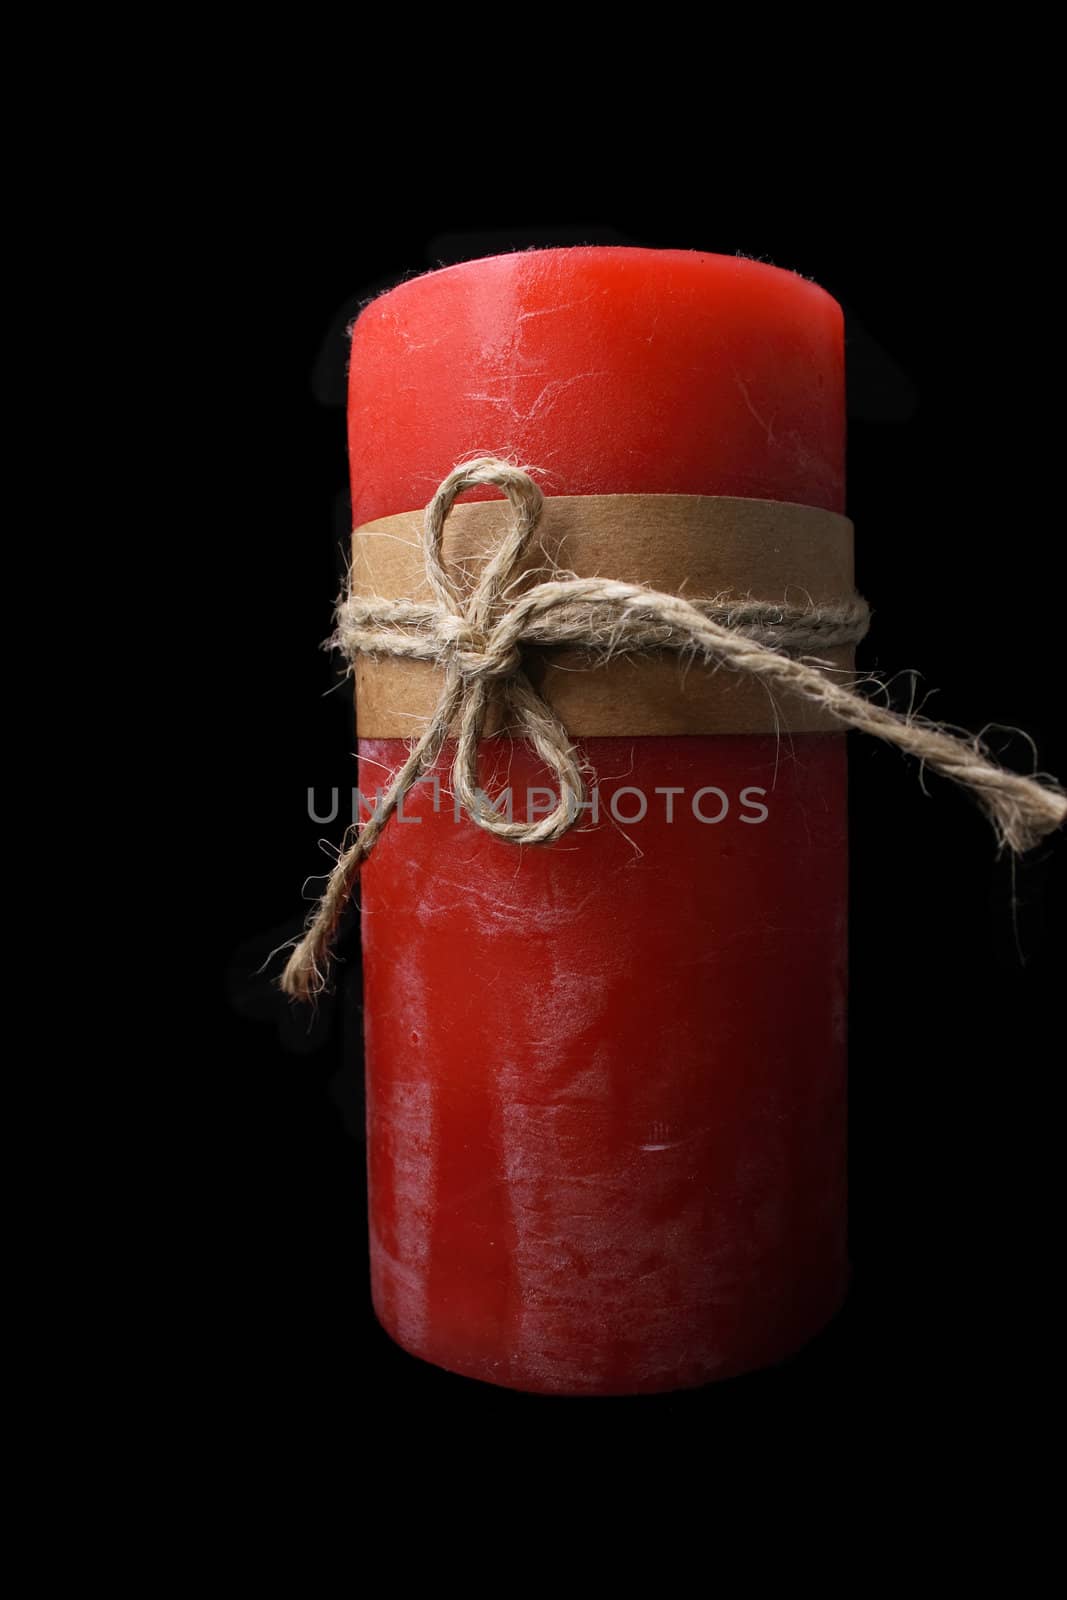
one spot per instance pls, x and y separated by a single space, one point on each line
606 1078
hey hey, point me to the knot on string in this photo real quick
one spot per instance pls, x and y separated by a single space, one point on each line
470 650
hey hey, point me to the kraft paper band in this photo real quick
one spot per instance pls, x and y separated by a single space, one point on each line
694 545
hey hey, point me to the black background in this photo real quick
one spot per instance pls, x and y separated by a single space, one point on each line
954 967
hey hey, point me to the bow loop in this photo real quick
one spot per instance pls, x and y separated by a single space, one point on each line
526 502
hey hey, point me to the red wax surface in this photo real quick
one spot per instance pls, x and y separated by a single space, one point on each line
606 1077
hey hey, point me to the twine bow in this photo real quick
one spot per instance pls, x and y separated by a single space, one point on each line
477 639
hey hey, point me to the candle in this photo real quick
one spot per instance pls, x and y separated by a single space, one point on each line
606 1077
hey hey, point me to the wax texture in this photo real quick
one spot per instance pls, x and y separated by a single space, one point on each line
606 1077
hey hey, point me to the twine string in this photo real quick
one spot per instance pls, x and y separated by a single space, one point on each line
478 637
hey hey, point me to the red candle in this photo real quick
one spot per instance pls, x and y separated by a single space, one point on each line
606 1077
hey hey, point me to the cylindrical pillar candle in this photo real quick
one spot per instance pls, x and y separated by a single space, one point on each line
606 1076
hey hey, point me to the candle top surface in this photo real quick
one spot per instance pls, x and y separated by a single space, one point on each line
611 368
643 256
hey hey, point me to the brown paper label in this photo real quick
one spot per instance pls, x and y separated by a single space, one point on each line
695 545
